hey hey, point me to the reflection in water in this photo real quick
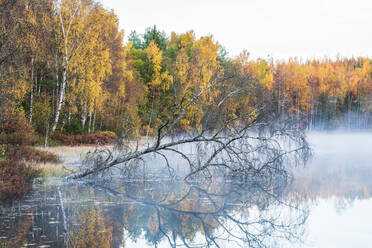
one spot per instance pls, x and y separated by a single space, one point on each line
89 229
219 213
259 211
341 168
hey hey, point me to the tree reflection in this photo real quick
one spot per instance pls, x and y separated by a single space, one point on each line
341 178
18 238
258 210
255 213
89 229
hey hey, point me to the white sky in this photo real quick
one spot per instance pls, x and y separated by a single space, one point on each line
277 28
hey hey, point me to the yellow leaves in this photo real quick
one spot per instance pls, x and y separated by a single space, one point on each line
205 63
187 39
92 231
261 71
121 91
190 66
92 61
207 50
182 67
167 80
196 66
182 41
360 77
14 87
295 81
160 79
128 73
155 56
295 77
185 124
342 77
153 224
192 119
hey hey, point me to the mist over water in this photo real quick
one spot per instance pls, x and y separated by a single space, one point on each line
326 205
352 144
338 183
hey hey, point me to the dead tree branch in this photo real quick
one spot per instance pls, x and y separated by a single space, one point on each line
244 143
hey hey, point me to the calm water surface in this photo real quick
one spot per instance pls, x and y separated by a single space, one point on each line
328 204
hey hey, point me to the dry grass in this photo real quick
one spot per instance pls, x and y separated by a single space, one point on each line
69 158
70 155
53 169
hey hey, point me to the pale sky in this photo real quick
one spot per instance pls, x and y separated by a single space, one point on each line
277 28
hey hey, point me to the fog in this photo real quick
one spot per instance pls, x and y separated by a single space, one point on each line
353 145
327 204
338 180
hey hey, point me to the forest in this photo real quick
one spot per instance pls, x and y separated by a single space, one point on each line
67 76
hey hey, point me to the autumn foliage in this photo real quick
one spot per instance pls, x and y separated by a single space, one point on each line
66 66
102 138
16 137
92 230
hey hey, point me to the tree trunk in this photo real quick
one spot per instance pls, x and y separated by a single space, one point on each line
46 135
32 90
57 76
41 79
31 103
84 115
94 121
64 218
90 122
57 84
53 107
61 98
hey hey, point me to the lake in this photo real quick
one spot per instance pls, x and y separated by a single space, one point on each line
326 203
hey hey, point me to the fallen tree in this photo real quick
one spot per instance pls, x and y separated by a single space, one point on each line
244 143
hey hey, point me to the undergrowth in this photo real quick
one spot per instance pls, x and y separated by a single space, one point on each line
17 155
101 138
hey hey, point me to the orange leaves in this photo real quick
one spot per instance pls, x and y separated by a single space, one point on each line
294 83
337 78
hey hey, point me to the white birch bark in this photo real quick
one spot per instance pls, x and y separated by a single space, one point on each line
32 90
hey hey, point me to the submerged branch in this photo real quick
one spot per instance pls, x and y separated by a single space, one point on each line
244 144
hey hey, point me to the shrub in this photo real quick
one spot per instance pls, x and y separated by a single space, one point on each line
51 141
16 135
32 154
73 127
15 178
103 138
42 113
110 133
16 130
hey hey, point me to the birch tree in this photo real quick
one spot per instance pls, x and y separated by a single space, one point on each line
242 145
72 21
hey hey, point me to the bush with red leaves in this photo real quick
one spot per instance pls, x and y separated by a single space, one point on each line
16 136
15 179
15 130
38 156
103 138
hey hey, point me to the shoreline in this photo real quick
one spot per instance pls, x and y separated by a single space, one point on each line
70 158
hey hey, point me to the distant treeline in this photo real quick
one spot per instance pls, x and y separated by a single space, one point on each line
65 67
